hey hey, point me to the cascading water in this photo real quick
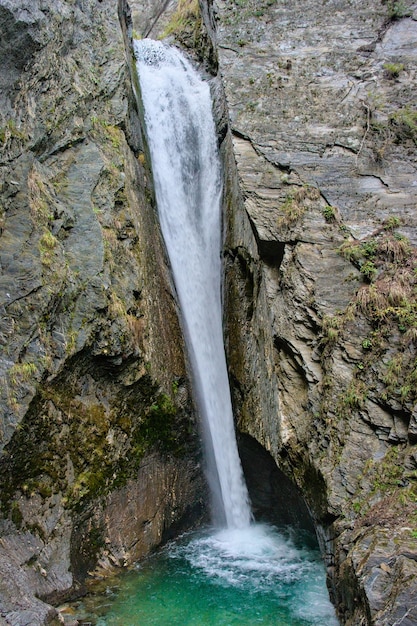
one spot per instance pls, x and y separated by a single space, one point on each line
186 169
246 573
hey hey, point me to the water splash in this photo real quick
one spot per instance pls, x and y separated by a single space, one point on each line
186 169
235 577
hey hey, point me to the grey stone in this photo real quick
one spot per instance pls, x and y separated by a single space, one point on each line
89 332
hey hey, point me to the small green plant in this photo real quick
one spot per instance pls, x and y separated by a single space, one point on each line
351 251
393 70
292 210
329 213
367 344
404 124
107 131
295 205
46 247
331 326
397 10
39 196
47 241
22 372
355 394
368 271
344 230
393 371
369 248
16 515
392 223
10 131
70 341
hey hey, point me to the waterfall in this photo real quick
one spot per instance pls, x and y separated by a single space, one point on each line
187 177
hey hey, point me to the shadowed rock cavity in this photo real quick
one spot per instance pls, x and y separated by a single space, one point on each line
274 497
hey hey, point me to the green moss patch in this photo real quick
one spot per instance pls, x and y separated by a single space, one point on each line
74 444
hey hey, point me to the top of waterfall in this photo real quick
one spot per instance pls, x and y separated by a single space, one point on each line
151 52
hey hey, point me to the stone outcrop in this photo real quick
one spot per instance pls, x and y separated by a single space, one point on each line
320 280
99 451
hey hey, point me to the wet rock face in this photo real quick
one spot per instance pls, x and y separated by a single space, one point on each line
320 281
96 409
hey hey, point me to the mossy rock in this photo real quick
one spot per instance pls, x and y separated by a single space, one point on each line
103 442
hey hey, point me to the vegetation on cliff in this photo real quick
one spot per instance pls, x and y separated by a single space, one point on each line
326 280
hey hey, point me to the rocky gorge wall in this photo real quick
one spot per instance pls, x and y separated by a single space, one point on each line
99 448
321 275
318 141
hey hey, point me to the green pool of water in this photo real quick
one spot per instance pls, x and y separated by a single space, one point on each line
223 578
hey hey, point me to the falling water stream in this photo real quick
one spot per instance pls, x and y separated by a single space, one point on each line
186 168
237 572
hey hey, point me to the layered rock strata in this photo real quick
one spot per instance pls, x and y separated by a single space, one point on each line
320 276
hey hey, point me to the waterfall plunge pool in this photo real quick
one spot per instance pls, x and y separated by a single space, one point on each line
239 577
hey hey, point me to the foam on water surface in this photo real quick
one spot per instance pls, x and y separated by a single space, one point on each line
255 576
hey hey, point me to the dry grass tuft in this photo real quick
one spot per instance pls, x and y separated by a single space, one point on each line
370 299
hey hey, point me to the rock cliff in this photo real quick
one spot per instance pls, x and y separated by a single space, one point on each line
99 451
321 275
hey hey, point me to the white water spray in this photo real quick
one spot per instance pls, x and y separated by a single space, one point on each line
186 168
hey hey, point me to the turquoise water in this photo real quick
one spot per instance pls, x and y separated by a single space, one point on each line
240 577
